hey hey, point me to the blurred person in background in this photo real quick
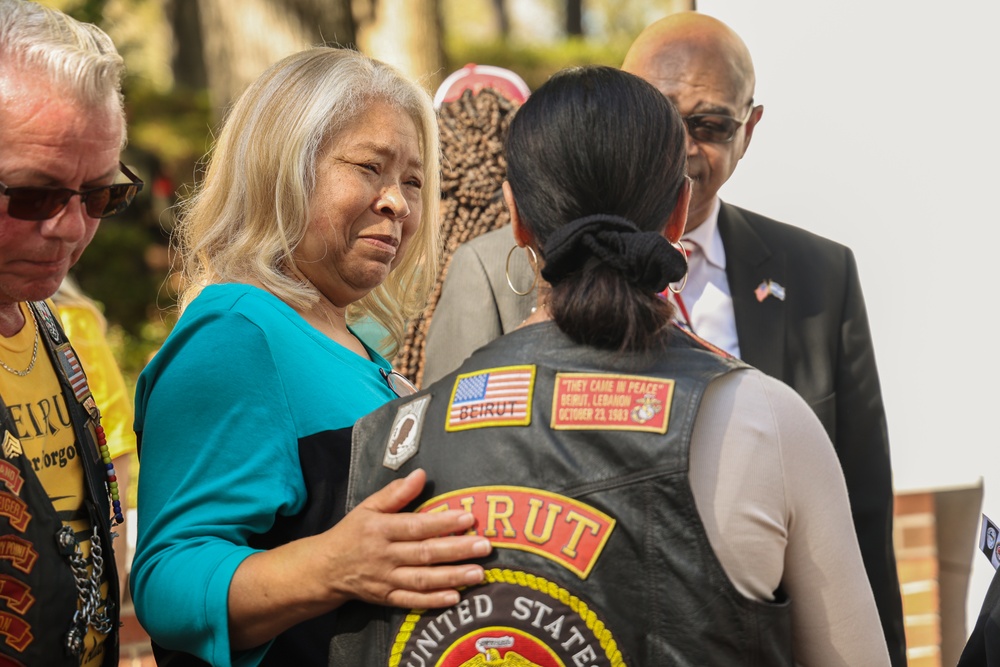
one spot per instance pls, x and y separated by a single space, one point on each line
316 209
478 249
474 108
62 128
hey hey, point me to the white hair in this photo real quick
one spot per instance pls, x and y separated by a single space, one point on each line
78 57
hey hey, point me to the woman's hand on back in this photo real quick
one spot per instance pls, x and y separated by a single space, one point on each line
403 560
375 554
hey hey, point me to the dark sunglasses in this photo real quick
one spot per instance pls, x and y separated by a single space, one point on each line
42 203
714 128
399 383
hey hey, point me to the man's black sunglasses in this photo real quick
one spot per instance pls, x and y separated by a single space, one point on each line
714 128
44 202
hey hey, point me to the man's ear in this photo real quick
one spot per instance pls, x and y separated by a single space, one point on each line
678 217
522 235
751 123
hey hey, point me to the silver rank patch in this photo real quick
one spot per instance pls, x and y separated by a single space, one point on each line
11 446
404 436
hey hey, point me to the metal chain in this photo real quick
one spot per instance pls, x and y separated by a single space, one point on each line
88 586
34 352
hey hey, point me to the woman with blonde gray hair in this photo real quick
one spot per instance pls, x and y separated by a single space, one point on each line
313 211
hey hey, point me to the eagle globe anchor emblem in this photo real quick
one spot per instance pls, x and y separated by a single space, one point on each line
489 654
649 406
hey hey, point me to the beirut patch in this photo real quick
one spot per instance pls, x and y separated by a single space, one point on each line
492 397
608 402
561 529
514 619
404 436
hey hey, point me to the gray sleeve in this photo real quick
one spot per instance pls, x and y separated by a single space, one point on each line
466 317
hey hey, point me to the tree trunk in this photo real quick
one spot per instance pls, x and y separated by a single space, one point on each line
574 18
242 39
188 60
405 34
503 19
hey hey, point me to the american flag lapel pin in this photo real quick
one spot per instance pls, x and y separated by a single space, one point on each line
769 288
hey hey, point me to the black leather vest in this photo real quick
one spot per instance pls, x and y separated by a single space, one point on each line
38 595
575 463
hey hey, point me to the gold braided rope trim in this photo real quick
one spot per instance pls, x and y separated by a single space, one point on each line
524 580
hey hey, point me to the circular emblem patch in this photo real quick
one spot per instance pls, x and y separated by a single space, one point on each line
514 619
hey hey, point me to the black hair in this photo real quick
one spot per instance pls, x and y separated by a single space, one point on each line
596 159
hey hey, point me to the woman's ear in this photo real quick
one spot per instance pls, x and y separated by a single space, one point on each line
678 217
522 235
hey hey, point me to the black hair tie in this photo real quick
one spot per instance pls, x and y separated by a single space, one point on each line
645 259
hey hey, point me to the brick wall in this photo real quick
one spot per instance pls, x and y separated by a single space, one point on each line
136 651
917 560
935 534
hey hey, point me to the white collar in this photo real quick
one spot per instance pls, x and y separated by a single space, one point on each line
707 236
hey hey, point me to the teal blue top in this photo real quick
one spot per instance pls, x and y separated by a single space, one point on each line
372 334
222 412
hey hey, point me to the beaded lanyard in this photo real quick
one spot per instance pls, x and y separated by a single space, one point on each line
71 372
90 612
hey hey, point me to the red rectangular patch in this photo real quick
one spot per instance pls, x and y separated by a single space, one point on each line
607 402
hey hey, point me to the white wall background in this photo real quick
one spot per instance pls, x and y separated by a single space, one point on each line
881 130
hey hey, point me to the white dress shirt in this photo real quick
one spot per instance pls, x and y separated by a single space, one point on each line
705 305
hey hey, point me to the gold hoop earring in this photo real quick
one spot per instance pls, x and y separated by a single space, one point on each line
684 281
534 265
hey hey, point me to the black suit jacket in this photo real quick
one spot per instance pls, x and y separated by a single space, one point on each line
817 340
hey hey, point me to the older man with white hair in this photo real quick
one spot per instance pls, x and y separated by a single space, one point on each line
62 128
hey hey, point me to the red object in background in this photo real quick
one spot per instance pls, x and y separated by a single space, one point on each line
476 77
163 186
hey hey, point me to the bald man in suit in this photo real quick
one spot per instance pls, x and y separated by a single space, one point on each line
780 298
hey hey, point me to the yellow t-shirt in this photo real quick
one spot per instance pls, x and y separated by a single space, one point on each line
41 418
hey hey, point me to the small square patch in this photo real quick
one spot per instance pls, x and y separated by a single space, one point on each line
491 397
605 402
404 436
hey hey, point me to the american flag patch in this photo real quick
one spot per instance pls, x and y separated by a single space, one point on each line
74 373
493 397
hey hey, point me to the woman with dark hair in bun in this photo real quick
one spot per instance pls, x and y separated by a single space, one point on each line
650 500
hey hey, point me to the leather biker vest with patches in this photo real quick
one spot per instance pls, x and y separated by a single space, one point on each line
575 463
38 592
